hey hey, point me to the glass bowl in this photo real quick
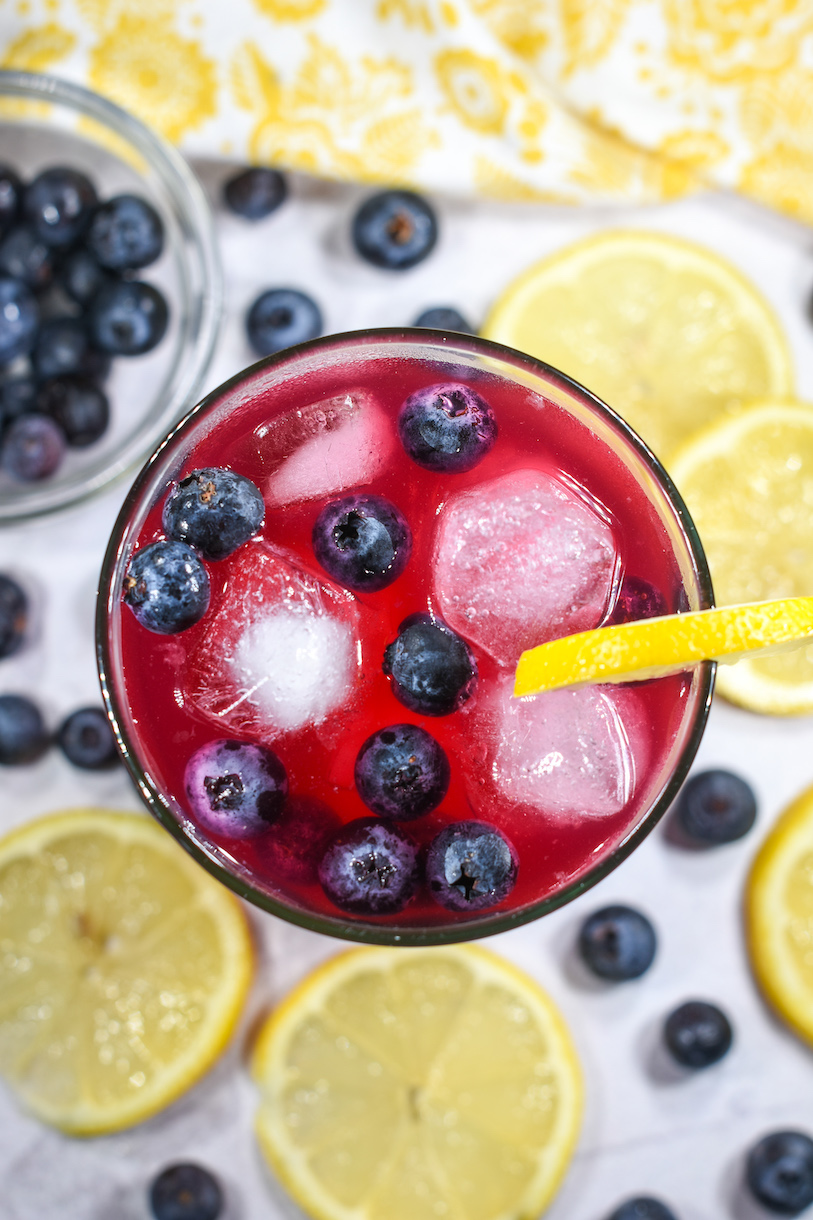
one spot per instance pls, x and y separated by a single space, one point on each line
46 122
162 693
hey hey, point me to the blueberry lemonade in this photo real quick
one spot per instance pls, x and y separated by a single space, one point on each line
311 612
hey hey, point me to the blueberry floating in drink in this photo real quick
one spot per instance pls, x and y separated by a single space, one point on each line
433 670
362 541
213 510
235 788
167 587
470 866
370 867
448 427
402 772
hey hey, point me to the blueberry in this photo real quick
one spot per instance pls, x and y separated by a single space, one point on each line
402 772
637 599
394 230
23 737
715 807
235 788
362 541
642 1208
470 865
617 943
128 318
61 347
19 319
281 317
697 1034
33 447
166 587
125 233
18 395
25 256
255 193
78 405
81 276
447 428
779 1172
11 193
214 510
87 740
444 317
13 615
58 204
432 668
370 868
185 1192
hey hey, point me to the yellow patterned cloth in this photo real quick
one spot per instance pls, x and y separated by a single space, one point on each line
563 101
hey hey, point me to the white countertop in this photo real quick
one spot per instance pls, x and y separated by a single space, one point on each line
646 1130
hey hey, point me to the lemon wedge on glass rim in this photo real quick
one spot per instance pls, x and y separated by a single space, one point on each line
123 970
416 1084
665 331
779 915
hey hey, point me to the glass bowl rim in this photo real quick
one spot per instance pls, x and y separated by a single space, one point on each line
390 934
189 198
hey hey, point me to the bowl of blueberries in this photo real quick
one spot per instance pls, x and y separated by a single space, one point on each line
110 292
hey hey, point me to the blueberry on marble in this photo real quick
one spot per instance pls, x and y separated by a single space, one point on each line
23 736
58 204
402 772
779 1172
697 1034
13 615
125 233
617 943
81 275
128 318
79 406
643 1207
19 319
33 447
255 193
370 867
166 587
433 670
235 788
87 740
715 807
214 510
362 541
281 317
26 257
447 428
395 230
444 317
185 1191
470 866
637 599
11 193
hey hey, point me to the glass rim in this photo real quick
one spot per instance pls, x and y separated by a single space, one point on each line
487 924
197 344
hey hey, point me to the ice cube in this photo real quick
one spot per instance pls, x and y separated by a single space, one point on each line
567 753
282 649
522 559
325 447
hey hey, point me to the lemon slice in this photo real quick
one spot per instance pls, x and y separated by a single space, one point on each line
664 331
653 647
779 915
123 968
417 1084
748 483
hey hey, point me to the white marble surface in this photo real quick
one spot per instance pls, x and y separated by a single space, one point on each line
645 1129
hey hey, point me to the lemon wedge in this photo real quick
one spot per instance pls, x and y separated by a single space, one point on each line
779 915
408 1085
667 333
653 647
123 970
748 484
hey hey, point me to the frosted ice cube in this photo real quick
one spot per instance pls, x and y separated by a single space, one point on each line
281 650
325 447
567 753
523 559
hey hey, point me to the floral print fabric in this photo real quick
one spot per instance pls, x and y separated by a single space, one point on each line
562 101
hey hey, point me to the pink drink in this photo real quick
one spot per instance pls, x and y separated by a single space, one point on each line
566 522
